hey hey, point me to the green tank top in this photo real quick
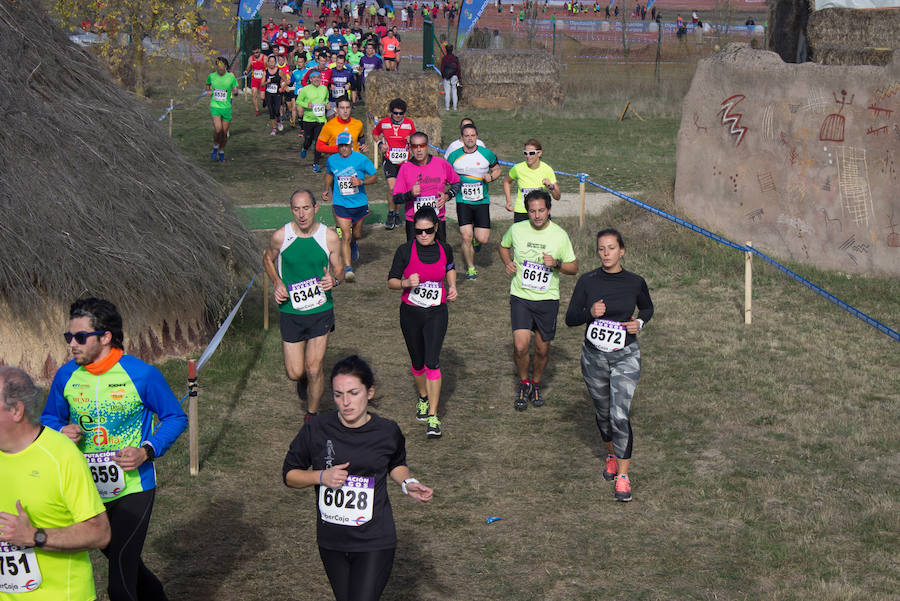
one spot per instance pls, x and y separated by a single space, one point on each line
301 264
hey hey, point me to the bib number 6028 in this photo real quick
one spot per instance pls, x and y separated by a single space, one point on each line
347 499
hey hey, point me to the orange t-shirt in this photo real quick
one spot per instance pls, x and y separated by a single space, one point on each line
390 45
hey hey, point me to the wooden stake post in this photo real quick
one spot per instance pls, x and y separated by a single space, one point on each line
581 185
193 422
265 302
748 286
171 110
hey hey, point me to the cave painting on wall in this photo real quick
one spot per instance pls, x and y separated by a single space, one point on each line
833 126
893 239
853 182
733 119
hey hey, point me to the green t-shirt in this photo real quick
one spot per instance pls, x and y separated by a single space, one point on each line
528 245
528 179
300 261
353 58
52 480
317 99
471 168
221 85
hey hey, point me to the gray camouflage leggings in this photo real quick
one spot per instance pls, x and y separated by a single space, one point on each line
611 379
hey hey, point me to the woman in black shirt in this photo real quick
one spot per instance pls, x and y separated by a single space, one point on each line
605 300
351 453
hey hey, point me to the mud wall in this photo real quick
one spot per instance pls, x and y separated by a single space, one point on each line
799 159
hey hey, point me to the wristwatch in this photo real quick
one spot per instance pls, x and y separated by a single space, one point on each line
405 482
151 452
558 263
40 538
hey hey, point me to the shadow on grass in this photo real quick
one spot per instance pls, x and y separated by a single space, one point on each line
415 574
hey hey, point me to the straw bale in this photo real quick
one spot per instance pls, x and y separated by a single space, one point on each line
96 200
421 91
507 77
431 126
845 36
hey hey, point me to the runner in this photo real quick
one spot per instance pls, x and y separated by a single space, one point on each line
392 135
50 511
287 96
313 99
458 143
368 63
256 68
348 456
221 85
346 175
391 46
341 122
425 180
274 84
297 261
105 401
477 167
541 250
605 300
353 58
530 174
420 269
341 77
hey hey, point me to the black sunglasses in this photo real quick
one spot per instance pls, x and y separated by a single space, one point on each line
81 337
398 112
420 231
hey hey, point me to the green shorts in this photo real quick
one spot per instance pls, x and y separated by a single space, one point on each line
225 114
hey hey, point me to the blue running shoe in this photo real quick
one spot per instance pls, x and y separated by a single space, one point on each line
215 153
302 153
316 168
221 157
354 251
349 275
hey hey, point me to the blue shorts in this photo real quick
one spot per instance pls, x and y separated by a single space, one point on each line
354 214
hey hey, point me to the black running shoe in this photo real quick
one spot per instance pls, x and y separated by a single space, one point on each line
537 399
521 402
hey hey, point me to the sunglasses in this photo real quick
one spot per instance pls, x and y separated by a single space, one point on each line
420 231
398 113
530 153
81 337
418 145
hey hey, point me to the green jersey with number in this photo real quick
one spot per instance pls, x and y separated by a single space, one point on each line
471 168
528 179
528 247
220 89
317 98
301 260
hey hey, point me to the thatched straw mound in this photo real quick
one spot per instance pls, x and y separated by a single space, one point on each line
421 91
510 78
95 200
845 36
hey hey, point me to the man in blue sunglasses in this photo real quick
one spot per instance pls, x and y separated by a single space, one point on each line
104 401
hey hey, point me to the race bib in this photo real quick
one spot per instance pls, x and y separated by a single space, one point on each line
367 69
306 295
391 47
536 276
398 155
109 478
605 335
525 192
426 294
257 74
335 46
425 201
220 95
264 46
318 110
272 88
349 505
19 570
472 191
338 91
345 185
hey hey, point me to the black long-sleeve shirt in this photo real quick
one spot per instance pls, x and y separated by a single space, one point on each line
621 292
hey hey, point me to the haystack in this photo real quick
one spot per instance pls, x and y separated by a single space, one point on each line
95 200
510 78
845 36
421 91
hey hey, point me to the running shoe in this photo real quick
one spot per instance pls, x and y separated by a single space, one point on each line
308 417
521 402
389 222
316 168
623 488
398 221
215 153
476 245
422 409
280 126
302 153
221 157
339 232
537 399
273 132
612 468
256 114
434 426
354 251
349 275
471 273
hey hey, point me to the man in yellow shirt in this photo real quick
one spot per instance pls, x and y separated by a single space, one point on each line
530 174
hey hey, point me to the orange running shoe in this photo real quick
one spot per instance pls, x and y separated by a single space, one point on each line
612 468
623 488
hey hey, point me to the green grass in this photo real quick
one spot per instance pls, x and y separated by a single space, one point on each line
766 461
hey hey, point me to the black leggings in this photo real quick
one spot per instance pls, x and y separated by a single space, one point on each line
273 102
357 575
424 331
311 131
129 578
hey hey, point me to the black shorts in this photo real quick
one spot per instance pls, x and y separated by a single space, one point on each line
441 232
477 215
299 328
390 169
533 315
517 217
